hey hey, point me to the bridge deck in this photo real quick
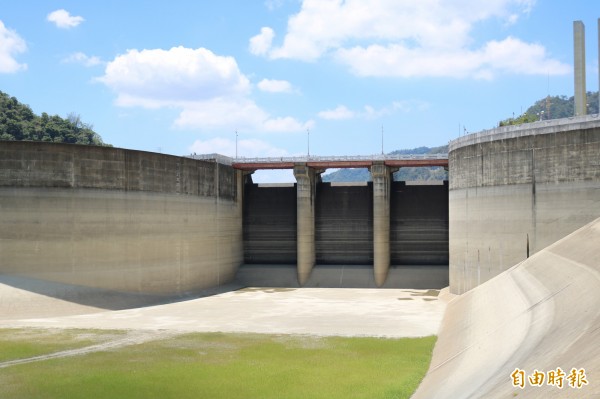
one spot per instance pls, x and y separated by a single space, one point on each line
341 161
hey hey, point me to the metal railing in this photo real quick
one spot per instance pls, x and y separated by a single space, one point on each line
339 158
527 129
316 158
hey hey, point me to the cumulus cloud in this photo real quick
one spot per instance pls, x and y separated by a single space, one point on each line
245 148
405 39
11 44
155 78
209 89
83 59
508 56
241 114
63 19
341 112
261 43
275 86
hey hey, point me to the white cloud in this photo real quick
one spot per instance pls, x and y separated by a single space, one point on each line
274 176
507 56
286 124
62 19
210 90
83 59
275 86
155 78
10 45
248 148
338 113
341 112
273 4
231 114
405 39
261 43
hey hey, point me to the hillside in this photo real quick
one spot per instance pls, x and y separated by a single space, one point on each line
19 123
404 174
553 107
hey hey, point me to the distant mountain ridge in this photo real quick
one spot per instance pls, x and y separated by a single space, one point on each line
434 173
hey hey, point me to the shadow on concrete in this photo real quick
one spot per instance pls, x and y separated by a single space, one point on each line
25 297
344 276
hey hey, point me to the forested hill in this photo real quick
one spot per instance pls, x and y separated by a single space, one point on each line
18 122
553 107
404 174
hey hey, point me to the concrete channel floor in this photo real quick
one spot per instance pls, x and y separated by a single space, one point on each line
312 311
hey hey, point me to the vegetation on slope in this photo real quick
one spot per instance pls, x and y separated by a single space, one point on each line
19 123
553 107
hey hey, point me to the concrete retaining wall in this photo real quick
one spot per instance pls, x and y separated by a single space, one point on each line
118 219
516 190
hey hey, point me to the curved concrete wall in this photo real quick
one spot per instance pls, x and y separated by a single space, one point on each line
118 219
516 190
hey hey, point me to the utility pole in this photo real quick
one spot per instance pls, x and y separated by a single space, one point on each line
381 139
236 140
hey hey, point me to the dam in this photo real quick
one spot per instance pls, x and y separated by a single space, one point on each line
518 224
156 224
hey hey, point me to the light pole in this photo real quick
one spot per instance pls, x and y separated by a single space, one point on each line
308 142
381 139
236 139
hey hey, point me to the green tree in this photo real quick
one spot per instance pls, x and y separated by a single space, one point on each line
18 122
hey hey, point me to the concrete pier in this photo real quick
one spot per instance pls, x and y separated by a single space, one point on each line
381 176
305 214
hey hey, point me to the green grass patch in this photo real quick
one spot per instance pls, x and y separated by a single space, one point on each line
214 365
25 343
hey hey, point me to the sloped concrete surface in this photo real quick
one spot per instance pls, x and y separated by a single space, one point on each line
541 314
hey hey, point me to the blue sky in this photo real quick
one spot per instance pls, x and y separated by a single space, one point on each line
182 76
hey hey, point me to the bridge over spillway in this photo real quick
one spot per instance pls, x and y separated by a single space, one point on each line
379 223
327 162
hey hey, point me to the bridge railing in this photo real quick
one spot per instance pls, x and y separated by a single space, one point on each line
317 158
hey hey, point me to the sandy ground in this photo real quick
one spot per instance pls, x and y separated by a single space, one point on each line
314 311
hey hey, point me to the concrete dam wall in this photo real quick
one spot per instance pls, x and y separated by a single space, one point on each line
153 224
515 190
118 219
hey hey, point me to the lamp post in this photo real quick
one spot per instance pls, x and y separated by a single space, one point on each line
381 139
308 142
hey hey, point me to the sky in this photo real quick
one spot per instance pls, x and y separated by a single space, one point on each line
288 77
